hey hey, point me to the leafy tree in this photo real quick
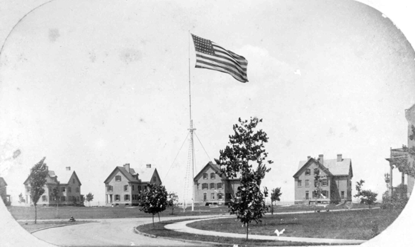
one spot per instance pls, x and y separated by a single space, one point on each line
89 198
55 195
153 200
317 184
37 180
21 199
245 158
366 196
275 196
171 202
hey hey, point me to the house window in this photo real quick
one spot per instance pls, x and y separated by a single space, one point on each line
342 193
63 189
132 187
118 178
316 171
44 198
77 189
205 176
219 185
204 197
27 189
314 194
299 183
324 182
69 189
125 187
73 180
212 196
307 172
212 185
306 195
154 179
212 175
315 183
117 197
126 197
204 186
109 188
63 198
307 183
220 196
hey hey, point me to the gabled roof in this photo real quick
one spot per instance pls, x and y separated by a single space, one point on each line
410 113
128 174
51 174
146 174
332 166
215 167
3 182
65 177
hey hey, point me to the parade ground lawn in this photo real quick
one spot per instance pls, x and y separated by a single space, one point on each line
361 224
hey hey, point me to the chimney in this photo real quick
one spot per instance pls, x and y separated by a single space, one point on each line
148 166
127 167
339 158
321 159
308 157
68 168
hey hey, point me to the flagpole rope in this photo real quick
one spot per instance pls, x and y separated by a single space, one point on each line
203 147
175 157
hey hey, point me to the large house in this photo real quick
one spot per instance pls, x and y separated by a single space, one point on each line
123 185
335 181
211 187
68 192
3 192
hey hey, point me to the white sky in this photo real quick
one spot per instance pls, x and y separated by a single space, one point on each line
94 85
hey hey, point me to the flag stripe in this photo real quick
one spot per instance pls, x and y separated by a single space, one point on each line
215 63
214 57
221 61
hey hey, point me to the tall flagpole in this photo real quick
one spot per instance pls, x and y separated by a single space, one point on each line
191 129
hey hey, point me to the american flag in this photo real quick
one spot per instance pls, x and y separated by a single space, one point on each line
212 56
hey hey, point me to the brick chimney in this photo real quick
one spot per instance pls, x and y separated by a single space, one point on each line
308 157
339 158
148 166
321 159
127 167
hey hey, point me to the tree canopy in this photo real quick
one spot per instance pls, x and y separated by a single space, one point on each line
37 180
245 158
153 200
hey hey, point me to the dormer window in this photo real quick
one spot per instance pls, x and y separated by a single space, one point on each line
307 172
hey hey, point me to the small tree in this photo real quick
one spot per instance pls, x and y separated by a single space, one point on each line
275 196
171 202
21 199
89 198
55 195
37 180
366 196
245 158
153 200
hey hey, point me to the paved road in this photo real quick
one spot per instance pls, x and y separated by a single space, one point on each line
106 232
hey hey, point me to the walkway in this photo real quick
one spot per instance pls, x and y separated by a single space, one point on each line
182 227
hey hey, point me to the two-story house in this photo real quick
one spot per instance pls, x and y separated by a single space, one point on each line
213 188
335 180
3 192
68 192
124 184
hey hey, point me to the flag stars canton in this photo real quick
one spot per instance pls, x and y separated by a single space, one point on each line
203 45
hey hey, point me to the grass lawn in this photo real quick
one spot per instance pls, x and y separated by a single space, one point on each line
32 227
363 224
65 212
159 230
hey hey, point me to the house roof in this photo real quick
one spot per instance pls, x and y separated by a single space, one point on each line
66 176
146 174
410 113
3 182
128 174
214 166
334 167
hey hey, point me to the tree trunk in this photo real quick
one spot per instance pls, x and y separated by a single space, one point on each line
35 214
153 220
159 216
247 225
272 207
